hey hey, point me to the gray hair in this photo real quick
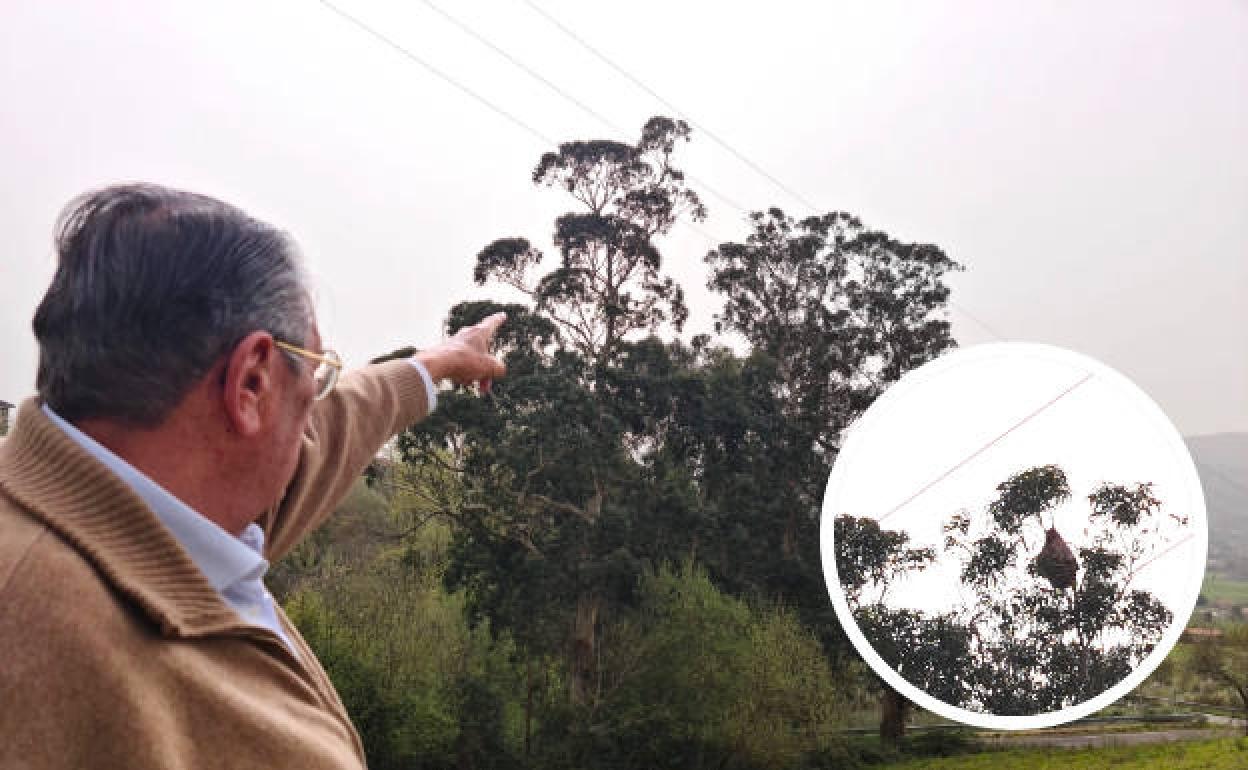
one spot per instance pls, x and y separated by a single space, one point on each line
152 287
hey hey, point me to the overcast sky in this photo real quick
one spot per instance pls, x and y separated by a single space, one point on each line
1087 165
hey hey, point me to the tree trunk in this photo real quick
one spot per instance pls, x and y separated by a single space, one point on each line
1243 699
584 640
529 687
788 542
893 708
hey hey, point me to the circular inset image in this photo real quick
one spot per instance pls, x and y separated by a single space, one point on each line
1013 536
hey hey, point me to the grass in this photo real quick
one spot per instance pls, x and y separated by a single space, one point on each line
1220 754
1218 588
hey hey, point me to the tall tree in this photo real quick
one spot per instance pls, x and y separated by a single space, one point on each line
608 284
1043 644
1027 642
562 512
928 652
834 312
844 311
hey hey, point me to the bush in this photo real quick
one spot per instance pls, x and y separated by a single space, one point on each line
705 680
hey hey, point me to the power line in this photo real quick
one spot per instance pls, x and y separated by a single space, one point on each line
637 82
526 69
445 77
976 320
469 91
520 65
985 447
1152 559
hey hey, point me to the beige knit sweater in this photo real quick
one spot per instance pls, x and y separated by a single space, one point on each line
114 649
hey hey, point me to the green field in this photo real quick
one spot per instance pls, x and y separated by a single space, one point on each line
1219 588
1222 754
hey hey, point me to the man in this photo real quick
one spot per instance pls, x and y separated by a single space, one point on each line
189 429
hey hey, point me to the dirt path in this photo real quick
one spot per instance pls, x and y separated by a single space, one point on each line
1079 741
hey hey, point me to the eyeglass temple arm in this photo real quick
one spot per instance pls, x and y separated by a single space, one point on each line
315 356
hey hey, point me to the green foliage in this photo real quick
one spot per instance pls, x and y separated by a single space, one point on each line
1224 660
1026 494
422 687
931 652
608 284
700 679
989 558
1124 506
834 312
843 309
346 539
560 511
1042 649
1020 647
868 554
607 451
396 726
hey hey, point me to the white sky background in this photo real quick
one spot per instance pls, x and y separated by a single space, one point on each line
1087 165
1104 430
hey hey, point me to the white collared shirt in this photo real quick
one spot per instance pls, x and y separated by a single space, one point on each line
234 566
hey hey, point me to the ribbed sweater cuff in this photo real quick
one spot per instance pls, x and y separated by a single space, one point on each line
430 389
414 395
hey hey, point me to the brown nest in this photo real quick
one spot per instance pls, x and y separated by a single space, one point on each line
1056 563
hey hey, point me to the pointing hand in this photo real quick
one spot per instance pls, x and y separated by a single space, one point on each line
465 358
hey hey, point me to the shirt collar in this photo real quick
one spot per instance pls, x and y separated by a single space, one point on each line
224 559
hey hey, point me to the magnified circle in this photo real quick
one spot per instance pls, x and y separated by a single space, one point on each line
1013 536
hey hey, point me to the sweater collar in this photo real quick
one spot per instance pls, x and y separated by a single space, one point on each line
107 522
223 558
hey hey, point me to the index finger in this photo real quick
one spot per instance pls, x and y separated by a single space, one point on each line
491 323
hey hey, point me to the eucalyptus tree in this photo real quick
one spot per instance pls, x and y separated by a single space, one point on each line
928 651
1044 642
1015 639
834 312
607 449
562 511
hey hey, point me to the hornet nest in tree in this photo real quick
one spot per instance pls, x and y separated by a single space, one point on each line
1056 563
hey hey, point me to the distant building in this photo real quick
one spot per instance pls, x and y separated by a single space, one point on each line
1197 634
5 406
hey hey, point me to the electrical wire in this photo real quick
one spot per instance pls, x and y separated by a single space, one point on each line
985 447
547 140
526 69
637 82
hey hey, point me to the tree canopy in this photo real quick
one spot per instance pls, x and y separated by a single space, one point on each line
614 448
1024 643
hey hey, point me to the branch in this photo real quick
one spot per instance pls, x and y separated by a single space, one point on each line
558 506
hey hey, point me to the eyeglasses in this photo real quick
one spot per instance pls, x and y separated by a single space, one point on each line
328 367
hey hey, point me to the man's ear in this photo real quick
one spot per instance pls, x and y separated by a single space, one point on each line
249 384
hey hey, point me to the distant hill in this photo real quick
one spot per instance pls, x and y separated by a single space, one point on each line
1222 462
